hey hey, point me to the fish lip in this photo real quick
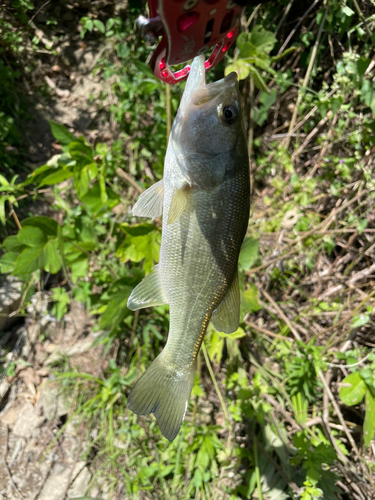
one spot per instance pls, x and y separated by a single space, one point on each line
206 93
196 79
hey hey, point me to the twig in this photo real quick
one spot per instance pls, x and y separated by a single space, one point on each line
266 332
4 457
282 314
129 179
307 75
209 367
338 413
335 365
281 50
314 131
16 220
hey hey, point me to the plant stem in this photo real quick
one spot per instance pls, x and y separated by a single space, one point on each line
222 402
307 76
257 472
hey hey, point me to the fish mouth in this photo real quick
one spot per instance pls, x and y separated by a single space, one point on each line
206 93
197 91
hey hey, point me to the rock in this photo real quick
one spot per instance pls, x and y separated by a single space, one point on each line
79 486
4 387
56 484
53 402
10 298
28 420
9 416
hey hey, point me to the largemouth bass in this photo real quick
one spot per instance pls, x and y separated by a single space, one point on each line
204 198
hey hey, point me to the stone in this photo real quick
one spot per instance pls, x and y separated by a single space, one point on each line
56 484
54 404
28 420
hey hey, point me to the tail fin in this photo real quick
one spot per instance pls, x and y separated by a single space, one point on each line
163 390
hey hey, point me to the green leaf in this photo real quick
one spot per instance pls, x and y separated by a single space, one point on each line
369 422
29 261
116 309
46 224
52 258
56 177
354 389
250 299
83 176
8 262
79 268
145 69
93 199
32 236
238 334
62 299
81 152
98 24
12 244
360 320
249 253
2 208
3 181
61 133
240 67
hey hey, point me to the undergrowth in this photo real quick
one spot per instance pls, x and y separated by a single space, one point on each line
284 407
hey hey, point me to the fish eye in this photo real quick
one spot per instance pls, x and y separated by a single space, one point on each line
230 114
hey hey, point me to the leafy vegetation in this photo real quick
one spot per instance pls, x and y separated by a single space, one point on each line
284 407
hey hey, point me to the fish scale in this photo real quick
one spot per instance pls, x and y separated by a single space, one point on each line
204 198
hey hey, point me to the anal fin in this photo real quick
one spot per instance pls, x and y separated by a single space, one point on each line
178 204
148 293
226 316
150 203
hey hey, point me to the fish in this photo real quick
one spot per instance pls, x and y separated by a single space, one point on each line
204 198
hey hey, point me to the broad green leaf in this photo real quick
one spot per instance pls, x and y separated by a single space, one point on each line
99 25
354 389
32 236
250 299
12 244
46 224
61 133
30 260
216 346
238 334
83 176
56 177
52 258
240 67
94 201
369 422
249 253
145 69
8 262
81 152
79 268
116 309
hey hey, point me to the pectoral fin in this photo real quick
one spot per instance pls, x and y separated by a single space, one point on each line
150 203
226 317
178 204
148 293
